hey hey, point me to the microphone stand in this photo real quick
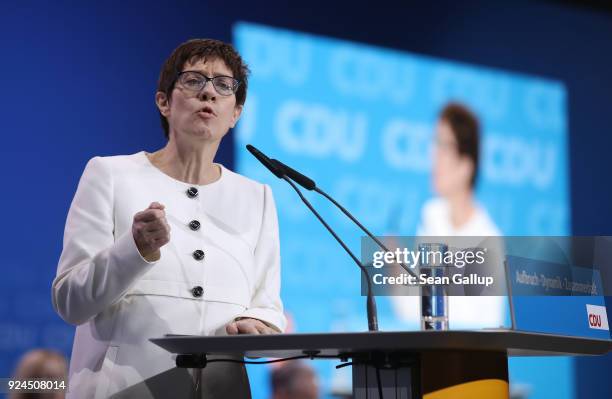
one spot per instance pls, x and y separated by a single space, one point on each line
372 313
309 184
362 227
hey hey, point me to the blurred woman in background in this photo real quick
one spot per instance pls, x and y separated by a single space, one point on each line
454 212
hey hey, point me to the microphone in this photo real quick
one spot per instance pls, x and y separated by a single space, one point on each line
281 171
267 162
296 176
309 184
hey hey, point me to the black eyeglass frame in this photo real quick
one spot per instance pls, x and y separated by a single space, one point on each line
235 86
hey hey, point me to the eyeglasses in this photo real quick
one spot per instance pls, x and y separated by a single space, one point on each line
445 145
195 81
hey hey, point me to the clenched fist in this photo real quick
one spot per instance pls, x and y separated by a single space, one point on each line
151 231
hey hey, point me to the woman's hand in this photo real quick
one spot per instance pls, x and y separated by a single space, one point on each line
248 326
151 231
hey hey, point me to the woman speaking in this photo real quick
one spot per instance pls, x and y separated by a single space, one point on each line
170 242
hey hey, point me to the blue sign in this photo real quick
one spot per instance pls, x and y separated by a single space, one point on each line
558 299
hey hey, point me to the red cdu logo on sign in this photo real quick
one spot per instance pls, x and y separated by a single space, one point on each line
598 318
594 320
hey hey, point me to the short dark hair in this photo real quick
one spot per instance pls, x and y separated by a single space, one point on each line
466 130
195 50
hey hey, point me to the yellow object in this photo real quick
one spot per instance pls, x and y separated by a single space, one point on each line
485 389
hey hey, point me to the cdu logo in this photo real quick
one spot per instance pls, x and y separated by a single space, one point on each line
598 319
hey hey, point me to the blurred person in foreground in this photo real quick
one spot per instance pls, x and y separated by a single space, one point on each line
454 212
43 364
170 242
294 380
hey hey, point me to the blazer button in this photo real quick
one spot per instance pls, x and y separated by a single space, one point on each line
198 254
194 225
197 291
192 192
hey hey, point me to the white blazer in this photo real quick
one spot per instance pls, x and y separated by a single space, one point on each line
118 300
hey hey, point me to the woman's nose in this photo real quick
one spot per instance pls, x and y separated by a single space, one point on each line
208 92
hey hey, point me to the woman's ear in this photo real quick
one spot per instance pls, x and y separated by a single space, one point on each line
466 169
236 115
162 102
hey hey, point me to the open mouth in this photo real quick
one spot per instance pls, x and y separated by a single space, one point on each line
206 112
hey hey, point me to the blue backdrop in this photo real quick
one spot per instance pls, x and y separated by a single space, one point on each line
359 120
79 81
